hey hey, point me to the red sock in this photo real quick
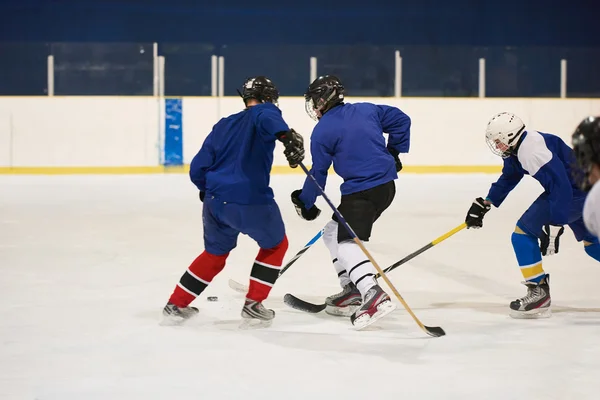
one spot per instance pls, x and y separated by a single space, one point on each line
265 271
197 277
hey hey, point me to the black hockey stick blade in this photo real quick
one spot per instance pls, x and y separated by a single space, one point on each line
435 331
302 305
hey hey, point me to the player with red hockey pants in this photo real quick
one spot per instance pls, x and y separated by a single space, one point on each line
232 173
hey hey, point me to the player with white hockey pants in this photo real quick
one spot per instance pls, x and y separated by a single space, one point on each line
350 136
361 297
346 302
549 160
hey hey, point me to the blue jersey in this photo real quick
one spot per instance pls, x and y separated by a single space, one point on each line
351 137
234 163
549 160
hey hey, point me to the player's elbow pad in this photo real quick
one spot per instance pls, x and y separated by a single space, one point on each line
290 138
283 136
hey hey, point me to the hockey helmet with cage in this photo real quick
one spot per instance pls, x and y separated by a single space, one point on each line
322 95
503 133
261 89
586 145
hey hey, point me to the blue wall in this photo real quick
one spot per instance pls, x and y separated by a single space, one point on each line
397 22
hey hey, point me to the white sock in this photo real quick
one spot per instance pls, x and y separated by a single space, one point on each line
330 239
358 266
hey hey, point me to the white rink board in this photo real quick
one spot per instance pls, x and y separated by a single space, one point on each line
80 131
126 131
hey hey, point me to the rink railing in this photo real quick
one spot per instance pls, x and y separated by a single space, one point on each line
218 75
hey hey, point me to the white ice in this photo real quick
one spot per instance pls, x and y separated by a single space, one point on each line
88 262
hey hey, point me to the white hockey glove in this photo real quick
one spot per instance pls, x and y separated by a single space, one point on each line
550 239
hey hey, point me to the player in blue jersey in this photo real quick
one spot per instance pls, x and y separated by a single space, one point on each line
351 137
232 172
586 144
552 163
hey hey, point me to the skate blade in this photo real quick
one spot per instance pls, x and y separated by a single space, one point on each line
341 311
255 323
383 309
531 314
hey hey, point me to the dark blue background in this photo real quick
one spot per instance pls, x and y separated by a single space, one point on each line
105 47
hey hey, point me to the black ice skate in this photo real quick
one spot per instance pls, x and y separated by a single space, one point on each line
344 303
173 315
376 305
255 315
536 304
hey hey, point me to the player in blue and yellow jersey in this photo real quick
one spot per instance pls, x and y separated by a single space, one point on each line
351 137
232 173
549 160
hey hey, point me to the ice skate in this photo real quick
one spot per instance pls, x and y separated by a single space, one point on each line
344 303
173 315
255 315
536 304
377 304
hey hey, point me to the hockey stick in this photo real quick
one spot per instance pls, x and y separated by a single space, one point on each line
238 287
302 305
425 248
434 331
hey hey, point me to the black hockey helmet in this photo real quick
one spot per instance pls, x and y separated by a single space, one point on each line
322 95
259 88
586 144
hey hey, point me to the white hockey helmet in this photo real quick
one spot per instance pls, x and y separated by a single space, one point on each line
503 132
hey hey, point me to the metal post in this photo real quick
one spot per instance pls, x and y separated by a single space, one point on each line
398 75
160 93
563 79
50 71
221 76
482 77
213 75
155 81
161 76
313 69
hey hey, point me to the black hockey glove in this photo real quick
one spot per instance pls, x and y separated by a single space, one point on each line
310 214
294 146
475 215
201 195
550 239
394 154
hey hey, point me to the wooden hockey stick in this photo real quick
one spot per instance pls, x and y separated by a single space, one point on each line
238 287
302 305
434 331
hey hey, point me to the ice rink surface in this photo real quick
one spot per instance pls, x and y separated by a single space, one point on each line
88 262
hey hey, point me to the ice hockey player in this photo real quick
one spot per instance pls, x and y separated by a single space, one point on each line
351 136
549 160
232 174
586 143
